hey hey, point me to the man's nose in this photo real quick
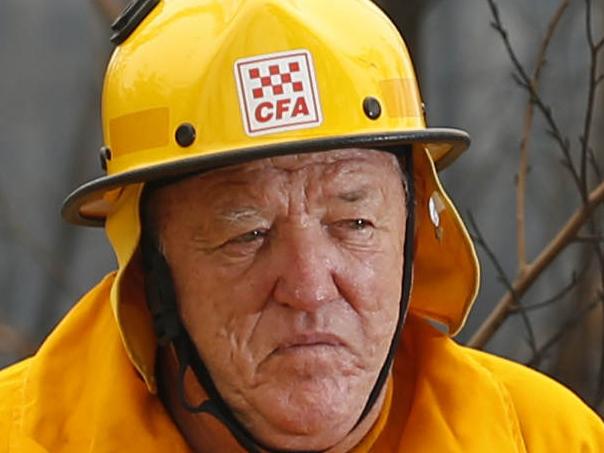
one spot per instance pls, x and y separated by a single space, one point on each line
307 265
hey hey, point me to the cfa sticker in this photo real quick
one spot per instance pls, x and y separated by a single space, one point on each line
278 92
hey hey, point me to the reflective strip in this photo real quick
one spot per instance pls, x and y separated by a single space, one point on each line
138 131
401 98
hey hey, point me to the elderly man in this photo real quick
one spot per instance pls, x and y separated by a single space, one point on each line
283 245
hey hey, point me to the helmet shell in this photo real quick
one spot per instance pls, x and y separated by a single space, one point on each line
206 83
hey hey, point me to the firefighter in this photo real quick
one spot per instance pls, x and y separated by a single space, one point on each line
284 248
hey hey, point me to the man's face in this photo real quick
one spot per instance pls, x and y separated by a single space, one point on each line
288 277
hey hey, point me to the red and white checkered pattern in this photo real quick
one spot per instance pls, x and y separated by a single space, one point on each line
278 92
276 80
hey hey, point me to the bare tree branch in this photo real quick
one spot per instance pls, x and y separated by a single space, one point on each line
555 298
586 173
590 238
524 144
524 81
564 237
565 329
481 242
587 154
594 164
591 96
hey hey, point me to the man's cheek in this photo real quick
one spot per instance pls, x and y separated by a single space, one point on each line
374 294
378 324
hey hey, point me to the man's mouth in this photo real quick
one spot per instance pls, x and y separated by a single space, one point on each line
308 341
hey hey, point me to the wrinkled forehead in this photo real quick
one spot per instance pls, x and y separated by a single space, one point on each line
353 175
328 164
349 157
339 169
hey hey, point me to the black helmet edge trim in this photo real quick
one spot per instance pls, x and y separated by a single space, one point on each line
457 138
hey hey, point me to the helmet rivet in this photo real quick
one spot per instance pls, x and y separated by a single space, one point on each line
185 135
104 155
372 108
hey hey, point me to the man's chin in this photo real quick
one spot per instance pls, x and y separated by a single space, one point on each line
308 425
304 408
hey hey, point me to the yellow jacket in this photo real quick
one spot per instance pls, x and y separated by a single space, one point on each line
80 394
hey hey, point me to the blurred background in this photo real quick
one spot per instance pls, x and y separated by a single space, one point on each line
53 55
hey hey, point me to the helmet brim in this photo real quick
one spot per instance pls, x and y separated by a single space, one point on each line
89 205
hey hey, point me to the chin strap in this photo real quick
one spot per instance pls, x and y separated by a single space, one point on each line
406 287
161 299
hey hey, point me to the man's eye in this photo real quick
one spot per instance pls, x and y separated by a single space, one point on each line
354 224
347 227
250 236
359 224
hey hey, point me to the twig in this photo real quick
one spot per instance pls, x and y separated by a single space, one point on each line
591 94
555 298
566 328
595 229
590 238
481 242
523 80
524 144
594 164
564 237
590 198
587 154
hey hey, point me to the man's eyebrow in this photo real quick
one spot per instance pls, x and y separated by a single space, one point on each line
237 214
353 195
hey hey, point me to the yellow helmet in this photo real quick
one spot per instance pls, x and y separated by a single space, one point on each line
196 84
